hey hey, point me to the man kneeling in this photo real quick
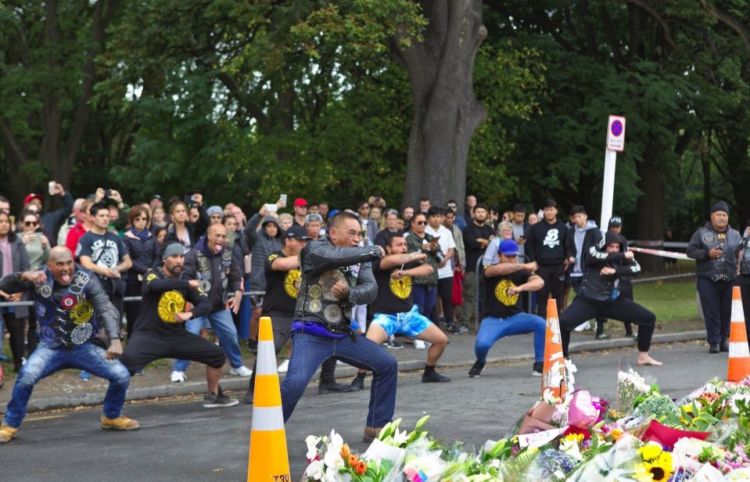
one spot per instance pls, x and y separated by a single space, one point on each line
501 312
69 302
160 332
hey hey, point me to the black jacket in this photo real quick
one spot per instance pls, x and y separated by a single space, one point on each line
143 254
606 288
705 238
474 250
219 273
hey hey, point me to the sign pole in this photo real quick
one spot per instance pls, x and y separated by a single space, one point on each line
615 144
608 187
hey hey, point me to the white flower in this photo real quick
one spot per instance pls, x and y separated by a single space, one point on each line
315 470
570 447
399 437
745 397
331 475
312 446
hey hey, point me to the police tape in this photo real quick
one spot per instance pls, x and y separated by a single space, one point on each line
659 252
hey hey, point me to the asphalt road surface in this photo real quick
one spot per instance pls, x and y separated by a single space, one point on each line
181 441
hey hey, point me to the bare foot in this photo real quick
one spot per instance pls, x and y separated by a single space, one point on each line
645 359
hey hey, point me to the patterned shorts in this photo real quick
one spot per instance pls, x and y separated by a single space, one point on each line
411 323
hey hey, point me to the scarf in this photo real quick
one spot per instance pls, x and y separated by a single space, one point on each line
143 235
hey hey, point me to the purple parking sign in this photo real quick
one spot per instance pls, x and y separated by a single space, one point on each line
616 133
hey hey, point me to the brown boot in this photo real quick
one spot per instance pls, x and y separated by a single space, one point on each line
371 433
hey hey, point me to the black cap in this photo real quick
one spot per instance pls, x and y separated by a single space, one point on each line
297 232
615 221
720 206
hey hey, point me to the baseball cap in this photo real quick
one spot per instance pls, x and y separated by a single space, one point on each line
172 249
508 247
615 221
297 232
299 202
156 196
31 197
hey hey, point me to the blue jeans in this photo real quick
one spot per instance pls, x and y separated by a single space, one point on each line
223 326
46 361
493 329
425 297
309 351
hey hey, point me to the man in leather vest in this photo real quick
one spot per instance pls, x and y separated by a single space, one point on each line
336 275
69 303
714 248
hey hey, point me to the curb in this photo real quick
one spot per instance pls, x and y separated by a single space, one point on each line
240 384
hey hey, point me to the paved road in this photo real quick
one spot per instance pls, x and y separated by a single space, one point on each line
181 441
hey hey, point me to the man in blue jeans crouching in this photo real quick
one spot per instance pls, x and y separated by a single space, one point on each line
501 308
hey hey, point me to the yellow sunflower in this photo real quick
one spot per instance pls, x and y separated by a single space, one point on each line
650 451
656 470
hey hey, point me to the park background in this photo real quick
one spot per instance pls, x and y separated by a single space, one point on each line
339 100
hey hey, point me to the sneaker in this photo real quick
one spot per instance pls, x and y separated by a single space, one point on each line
284 367
84 376
451 328
538 369
476 369
713 348
120 423
463 329
420 344
241 371
724 346
582 327
393 345
7 433
602 336
218 400
177 376
370 434
334 387
434 377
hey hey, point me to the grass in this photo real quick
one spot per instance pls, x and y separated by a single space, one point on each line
670 301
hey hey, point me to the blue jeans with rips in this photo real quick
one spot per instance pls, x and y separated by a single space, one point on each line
309 351
493 329
47 360
223 326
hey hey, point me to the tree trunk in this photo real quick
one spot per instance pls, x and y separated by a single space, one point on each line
651 204
446 112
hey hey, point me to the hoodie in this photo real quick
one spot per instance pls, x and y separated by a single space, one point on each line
606 288
583 238
261 245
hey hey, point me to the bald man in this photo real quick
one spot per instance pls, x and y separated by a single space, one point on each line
70 305
220 276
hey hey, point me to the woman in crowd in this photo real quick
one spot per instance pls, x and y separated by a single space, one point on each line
13 259
424 287
144 252
183 231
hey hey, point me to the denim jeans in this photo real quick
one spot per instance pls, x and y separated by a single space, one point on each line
425 297
493 329
46 360
223 326
309 351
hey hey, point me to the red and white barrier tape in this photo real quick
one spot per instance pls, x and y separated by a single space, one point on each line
660 252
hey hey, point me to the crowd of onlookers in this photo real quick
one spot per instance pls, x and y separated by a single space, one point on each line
119 242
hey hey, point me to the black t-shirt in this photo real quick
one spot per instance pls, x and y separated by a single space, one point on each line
281 288
497 302
163 297
394 295
105 250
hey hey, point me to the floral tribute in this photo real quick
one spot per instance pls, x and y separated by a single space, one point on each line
642 436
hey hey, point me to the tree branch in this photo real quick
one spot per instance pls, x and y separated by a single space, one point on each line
729 21
659 19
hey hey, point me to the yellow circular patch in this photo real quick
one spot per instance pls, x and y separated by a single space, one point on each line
291 282
151 277
82 312
401 287
501 293
170 303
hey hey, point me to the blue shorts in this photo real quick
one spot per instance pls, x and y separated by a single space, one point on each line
411 323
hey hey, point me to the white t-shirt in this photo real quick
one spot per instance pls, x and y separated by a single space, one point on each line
446 242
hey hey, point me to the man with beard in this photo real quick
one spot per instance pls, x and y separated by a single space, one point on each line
159 329
69 303
476 238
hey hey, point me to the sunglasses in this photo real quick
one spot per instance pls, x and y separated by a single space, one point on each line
30 223
420 223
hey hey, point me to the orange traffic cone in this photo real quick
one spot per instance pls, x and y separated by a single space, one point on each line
554 375
739 353
269 459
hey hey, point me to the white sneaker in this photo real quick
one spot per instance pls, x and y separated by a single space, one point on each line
241 371
284 366
582 327
178 376
420 344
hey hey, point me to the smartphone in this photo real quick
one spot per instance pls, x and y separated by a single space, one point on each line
282 198
51 188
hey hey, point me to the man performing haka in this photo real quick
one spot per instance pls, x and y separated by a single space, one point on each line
600 295
69 302
160 331
394 309
336 275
